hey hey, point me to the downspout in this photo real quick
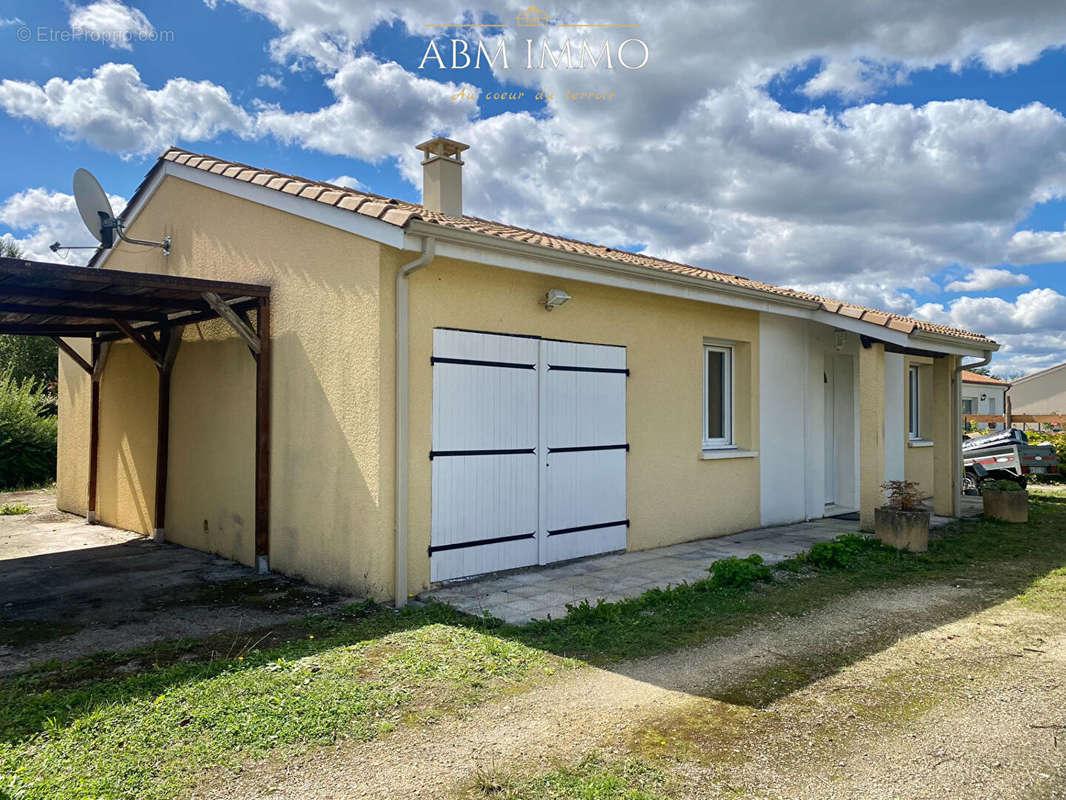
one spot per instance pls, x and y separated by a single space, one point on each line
956 457
403 381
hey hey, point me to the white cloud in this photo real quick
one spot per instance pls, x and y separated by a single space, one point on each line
379 110
269 81
112 22
115 111
852 79
1037 247
1038 310
4 22
347 181
42 217
983 279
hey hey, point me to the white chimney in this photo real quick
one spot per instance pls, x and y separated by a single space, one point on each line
442 176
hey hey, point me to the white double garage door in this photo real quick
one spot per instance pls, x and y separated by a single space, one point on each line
529 452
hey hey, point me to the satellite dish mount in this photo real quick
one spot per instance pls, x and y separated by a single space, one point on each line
96 213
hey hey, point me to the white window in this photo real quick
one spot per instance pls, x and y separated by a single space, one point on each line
992 406
718 396
967 405
915 394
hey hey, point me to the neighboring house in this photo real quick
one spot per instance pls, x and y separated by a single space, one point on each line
982 394
1042 392
661 403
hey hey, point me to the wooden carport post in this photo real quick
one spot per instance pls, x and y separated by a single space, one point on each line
99 360
170 340
262 436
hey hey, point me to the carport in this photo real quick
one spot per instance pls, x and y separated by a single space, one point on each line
105 306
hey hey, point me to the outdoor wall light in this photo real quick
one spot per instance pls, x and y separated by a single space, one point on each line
555 298
840 339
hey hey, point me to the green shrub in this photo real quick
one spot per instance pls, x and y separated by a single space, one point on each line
13 509
1058 442
27 439
1002 486
34 357
738 573
837 554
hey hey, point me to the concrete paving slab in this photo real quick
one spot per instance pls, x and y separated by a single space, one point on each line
545 591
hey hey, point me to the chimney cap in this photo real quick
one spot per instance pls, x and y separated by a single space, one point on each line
440 147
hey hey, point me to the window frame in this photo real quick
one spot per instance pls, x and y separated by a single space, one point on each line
727 441
914 395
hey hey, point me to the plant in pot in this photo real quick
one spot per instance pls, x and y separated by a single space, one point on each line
904 522
1005 501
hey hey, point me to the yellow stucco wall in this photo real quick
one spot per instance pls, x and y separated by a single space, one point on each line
673 495
328 521
72 476
125 493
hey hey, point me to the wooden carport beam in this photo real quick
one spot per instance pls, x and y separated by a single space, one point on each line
220 307
147 344
75 356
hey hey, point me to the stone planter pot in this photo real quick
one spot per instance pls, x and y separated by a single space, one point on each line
1006 506
904 530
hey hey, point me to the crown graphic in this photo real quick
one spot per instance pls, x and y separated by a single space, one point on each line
532 17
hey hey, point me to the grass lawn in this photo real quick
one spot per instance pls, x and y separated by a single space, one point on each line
145 724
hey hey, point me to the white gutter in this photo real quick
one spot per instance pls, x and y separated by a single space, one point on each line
403 381
956 431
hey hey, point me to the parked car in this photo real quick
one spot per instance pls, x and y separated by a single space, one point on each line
1005 455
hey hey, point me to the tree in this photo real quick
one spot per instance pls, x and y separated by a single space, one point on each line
34 357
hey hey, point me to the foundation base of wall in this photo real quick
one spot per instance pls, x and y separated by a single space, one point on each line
90 517
157 535
262 564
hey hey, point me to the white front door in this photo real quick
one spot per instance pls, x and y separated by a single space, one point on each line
529 452
829 440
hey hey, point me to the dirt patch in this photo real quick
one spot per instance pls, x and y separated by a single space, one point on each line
592 708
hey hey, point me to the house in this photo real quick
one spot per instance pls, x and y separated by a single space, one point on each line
548 398
1042 392
532 17
982 394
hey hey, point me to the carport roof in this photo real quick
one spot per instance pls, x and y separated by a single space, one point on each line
44 299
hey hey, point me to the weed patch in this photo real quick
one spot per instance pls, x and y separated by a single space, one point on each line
14 509
739 573
594 778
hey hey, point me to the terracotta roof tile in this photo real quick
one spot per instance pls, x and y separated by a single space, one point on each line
351 202
855 312
399 213
876 317
331 196
973 377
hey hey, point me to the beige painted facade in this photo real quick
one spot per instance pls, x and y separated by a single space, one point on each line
1042 393
673 494
333 410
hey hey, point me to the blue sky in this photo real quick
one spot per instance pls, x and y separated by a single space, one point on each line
917 166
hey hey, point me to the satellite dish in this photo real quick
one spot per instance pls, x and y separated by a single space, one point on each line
94 207
99 218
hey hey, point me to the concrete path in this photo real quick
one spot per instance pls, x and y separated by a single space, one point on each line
544 592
